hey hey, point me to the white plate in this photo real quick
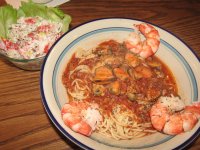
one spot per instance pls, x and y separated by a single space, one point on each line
172 51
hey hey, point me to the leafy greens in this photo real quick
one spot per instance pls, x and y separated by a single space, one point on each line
9 15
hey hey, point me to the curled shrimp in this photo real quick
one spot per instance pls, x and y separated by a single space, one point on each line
147 47
170 116
81 117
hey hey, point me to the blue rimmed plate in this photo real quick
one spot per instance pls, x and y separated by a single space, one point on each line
172 51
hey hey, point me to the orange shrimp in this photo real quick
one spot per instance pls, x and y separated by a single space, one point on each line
81 117
170 116
147 47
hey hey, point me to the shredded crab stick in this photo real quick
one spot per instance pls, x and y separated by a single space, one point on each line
30 37
170 116
147 47
81 117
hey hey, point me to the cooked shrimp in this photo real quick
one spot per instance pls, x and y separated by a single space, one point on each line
81 117
170 116
147 47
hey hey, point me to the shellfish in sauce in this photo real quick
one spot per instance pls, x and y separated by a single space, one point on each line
116 75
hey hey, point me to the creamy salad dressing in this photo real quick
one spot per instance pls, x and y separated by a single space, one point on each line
31 37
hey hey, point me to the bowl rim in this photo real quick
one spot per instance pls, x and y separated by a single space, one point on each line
20 60
185 144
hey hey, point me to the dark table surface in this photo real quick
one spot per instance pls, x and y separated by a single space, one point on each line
24 123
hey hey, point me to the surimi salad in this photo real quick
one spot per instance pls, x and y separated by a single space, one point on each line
29 31
31 37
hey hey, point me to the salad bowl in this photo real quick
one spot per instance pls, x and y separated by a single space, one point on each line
26 64
27 33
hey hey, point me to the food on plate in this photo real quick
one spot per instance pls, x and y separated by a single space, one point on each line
81 117
169 115
123 89
29 32
147 47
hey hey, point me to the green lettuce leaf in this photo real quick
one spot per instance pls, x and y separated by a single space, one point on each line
8 16
30 9
55 14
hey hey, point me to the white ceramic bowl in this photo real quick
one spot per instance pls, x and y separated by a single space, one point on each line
172 51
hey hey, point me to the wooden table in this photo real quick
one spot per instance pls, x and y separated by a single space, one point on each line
24 123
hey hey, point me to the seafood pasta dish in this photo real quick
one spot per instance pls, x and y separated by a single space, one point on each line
123 91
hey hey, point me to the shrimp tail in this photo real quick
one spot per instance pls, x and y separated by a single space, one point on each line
82 128
194 109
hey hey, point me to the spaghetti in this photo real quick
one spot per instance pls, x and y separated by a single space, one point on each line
122 84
